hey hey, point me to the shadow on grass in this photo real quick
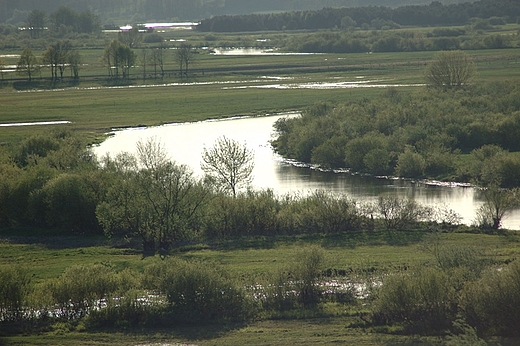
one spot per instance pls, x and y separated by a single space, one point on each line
349 239
51 239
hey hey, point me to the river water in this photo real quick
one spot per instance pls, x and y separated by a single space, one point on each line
185 142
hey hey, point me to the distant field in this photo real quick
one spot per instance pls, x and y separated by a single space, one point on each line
228 86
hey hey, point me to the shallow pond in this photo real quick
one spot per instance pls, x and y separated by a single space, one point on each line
185 143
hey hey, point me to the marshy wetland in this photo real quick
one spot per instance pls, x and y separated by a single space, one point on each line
303 269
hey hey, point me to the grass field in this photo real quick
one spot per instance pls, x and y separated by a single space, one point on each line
46 254
95 109
222 86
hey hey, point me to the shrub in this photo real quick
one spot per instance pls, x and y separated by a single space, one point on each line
198 291
410 164
81 288
423 301
14 289
397 213
492 304
321 212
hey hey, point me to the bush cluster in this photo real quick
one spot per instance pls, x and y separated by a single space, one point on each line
462 288
421 134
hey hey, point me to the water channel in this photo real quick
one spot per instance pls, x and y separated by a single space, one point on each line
185 143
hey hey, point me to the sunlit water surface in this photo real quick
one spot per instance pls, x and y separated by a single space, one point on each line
185 143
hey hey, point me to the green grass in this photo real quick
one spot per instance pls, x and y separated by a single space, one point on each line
46 254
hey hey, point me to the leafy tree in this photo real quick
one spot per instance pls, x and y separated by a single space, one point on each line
450 69
497 204
28 64
153 199
64 19
119 57
36 22
228 164
410 164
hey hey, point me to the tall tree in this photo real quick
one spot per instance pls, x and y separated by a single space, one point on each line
184 55
57 56
64 19
36 22
154 199
119 57
228 164
74 63
28 64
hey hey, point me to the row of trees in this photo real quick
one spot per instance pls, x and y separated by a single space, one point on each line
434 14
119 58
58 57
62 21
397 41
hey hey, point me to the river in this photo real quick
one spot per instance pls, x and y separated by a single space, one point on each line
185 142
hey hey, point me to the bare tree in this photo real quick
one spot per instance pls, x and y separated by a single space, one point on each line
74 63
57 56
132 38
184 55
450 69
144 60
228 164
2 67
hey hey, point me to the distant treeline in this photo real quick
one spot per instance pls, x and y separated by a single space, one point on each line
433 14
127 11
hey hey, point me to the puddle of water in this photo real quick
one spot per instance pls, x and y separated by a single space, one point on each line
253 51
35 123
325 85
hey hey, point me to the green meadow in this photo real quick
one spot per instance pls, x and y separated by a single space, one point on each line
217 87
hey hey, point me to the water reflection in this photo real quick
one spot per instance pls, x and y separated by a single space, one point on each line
185 143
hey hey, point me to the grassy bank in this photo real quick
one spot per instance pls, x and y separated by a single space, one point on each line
356 256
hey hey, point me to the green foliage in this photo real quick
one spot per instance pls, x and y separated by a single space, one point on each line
81 288
413 135
249 214
14 289
423 301
320 212
198 291
410 164
491 303
69 202
397 213
152 199
497 204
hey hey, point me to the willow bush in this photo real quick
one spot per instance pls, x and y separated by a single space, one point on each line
197 291
492 303
14 290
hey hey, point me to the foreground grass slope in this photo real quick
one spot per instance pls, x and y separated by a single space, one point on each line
358 257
